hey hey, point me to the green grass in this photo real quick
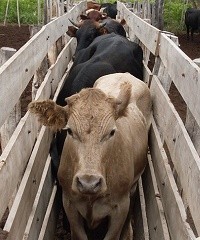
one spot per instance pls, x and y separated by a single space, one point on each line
174 15
28 11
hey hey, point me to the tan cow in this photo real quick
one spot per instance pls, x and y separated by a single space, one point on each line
104 152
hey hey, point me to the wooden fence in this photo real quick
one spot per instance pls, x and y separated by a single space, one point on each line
169 190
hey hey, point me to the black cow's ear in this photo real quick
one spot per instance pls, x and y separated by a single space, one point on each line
101 25
72 31
103 31
83 17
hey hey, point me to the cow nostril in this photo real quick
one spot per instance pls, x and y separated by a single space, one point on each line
97 184
79 184
89 184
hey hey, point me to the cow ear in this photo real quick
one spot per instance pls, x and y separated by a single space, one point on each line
72 31
50 114
70 100
83 17
123 100
104 16
101 25
123 22
103 31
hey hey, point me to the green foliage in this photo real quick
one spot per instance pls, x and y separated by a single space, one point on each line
174 12
28 11
174 15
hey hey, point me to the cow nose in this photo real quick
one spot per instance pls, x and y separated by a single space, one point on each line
89 184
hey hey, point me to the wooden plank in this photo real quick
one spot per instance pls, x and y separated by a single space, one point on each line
62 63
40 204
26 133
49 225
10 124
147 74
56 72
145 32
23 202
183 154
172 203
140 226
14 158
155 214
143 210
11 84
193 130
164 77
187 78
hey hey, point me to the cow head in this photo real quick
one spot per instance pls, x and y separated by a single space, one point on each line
85 32
90 118
93 14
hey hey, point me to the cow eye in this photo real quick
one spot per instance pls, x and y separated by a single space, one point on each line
108 135
112 133
69 131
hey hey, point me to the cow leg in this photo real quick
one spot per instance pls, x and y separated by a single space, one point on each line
188 32
117 220
75 221
192 34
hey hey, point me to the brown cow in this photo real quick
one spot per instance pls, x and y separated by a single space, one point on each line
104 152
93 15
93 5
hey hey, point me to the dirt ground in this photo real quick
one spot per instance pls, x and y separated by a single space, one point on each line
15 37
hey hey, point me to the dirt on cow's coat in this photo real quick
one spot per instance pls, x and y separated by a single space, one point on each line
15 37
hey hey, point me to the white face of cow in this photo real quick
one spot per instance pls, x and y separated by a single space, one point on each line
91 133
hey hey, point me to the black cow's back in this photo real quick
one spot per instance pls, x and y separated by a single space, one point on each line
106 54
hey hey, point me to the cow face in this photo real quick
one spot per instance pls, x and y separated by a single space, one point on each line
92 133
85 32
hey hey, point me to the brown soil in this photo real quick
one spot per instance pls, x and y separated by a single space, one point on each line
15 37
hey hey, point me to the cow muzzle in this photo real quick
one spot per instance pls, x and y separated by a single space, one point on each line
89 184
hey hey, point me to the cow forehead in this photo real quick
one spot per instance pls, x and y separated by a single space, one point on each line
91 112
86 30
89 24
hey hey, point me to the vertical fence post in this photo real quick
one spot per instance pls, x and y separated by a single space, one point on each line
10 124
39 76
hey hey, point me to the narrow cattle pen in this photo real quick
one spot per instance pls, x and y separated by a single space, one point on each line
167 204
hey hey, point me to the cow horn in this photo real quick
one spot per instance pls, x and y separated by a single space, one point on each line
101 25
75 24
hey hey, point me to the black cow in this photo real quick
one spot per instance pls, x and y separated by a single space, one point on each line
85 32
88 30
110 9
107 54
192 21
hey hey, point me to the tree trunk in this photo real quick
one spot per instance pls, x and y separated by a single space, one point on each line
158 18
